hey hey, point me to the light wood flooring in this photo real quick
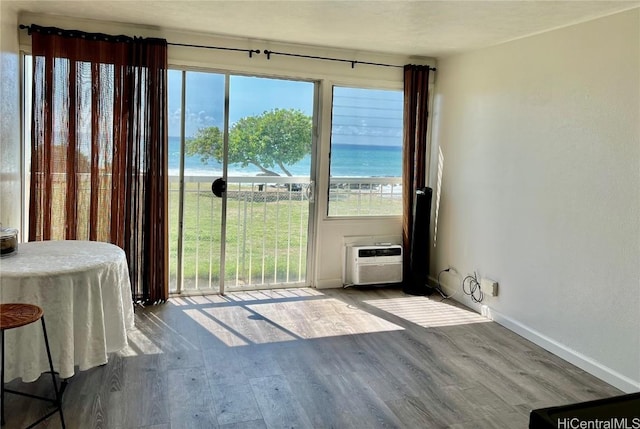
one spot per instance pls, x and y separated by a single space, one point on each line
303 358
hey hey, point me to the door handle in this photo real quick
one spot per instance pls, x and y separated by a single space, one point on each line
218 187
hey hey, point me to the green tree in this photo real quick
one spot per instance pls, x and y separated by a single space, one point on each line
207 143
272 140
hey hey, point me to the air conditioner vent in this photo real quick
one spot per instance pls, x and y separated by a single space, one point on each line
380 264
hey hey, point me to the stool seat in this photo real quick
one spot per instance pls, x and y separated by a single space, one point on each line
17 315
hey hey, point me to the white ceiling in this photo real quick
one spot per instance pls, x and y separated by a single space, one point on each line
421 28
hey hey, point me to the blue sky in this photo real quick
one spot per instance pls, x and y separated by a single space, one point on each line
248 96
360 116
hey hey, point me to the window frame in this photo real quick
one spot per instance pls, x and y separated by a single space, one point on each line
355 84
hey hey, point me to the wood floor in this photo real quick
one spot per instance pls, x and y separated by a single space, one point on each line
302 358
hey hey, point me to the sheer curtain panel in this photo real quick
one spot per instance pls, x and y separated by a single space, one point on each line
99 147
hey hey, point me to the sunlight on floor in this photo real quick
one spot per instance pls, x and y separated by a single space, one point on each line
426 312
140 344
274 316
279 315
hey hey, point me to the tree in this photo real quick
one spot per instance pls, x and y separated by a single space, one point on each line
276 138
207 143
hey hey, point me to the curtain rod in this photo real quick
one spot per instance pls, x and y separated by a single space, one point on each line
249 51
268 53
352 62
75 33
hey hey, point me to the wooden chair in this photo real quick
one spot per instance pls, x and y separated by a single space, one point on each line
14 316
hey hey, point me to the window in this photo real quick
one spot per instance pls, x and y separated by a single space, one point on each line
366 152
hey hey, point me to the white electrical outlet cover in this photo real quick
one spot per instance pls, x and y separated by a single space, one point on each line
489 287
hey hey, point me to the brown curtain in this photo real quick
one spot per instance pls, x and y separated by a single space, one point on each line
99 147
416 99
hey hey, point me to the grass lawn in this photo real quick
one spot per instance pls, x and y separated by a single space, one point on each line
266 241
266 236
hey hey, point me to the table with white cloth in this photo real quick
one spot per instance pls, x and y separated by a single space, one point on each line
85 292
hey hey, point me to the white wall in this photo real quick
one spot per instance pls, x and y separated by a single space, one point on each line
10 187
540 141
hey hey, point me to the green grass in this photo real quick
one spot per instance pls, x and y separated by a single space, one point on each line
270 234
349 203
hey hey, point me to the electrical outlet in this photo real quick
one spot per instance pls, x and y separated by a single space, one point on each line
489 287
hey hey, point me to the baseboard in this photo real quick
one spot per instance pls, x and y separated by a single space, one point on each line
432 281
578 359
574 357
329 283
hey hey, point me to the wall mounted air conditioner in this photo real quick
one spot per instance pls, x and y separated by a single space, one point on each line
377 264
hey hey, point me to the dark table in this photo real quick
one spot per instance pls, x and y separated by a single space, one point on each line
623 411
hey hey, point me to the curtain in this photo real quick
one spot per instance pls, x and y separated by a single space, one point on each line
416 100
99 148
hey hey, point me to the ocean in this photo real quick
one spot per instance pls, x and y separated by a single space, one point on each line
347 160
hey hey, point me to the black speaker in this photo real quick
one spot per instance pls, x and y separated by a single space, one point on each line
417 283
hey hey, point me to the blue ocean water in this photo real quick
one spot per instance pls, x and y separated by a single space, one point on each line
347 160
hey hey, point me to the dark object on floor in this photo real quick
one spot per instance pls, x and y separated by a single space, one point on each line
417 282
624 410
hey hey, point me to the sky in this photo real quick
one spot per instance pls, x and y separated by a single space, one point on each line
248 96
360 116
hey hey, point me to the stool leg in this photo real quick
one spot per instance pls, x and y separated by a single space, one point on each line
53 375
2 376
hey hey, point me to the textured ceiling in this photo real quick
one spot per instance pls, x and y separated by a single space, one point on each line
422 28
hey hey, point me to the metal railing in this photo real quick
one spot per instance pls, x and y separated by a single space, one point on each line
365 196
266 227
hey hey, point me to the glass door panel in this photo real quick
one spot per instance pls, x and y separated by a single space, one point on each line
268 182
258 163
194 132
174 154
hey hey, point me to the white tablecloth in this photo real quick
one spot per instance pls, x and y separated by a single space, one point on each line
83 288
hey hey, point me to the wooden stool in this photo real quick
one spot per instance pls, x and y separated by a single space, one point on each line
15 316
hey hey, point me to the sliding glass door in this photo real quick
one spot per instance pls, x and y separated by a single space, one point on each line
250 141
